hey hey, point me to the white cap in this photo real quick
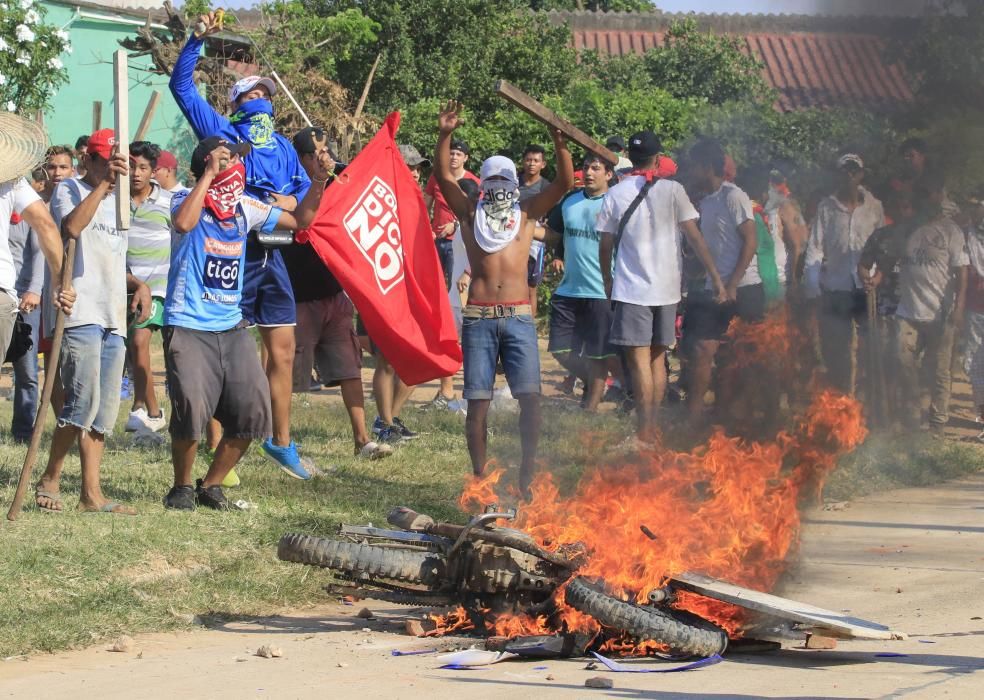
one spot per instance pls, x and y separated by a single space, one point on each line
244 85
852 159
499 166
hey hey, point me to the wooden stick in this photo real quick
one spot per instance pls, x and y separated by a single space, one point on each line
97 111
512 94
148 116
350 131
121 99
49 384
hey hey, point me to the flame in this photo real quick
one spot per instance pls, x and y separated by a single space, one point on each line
727 509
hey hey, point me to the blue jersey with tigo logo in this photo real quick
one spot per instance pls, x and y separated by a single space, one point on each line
575 217
205 282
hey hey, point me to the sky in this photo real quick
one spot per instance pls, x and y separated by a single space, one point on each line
878 7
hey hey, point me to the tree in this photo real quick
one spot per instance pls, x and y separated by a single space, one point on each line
30 50
593 5
704 65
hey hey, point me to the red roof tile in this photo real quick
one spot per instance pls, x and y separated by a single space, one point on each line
808 69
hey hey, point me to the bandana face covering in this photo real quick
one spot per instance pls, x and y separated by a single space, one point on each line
225 192
254 120
497 218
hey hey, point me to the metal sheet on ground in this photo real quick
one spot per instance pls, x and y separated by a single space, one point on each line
808 617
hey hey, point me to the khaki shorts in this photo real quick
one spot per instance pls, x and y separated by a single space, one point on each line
325 338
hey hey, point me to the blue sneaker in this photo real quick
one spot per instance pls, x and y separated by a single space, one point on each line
125 391
286 458
378 426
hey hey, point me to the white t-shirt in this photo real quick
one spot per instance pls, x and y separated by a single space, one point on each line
99 274
648 265
15 197
721 214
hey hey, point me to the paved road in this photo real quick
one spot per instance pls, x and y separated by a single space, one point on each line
911 559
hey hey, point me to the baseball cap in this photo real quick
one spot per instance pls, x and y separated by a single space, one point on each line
101 143
459 145
206 146
615 142
167 160
310 139
244 85
412 157
644 144
849 159
499 166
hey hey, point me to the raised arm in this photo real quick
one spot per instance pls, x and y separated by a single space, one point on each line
81 216
308 207
447 121
537 207
204 120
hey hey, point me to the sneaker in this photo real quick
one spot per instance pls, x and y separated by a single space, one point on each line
286 458
211 497
389 435
231 480
125 391
440 402
378 426
315 385
140 420
404 431
180 498
373 450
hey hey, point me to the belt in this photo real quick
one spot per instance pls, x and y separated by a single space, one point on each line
496 311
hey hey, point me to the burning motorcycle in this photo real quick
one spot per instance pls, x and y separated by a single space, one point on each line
489 568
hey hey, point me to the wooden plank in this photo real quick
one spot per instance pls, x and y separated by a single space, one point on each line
807 617
538 111
97 111
148 116
121 100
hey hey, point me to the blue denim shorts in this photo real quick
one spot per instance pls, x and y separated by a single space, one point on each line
268 297
91 371
513 340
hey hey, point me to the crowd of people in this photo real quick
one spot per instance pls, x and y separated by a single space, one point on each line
652 256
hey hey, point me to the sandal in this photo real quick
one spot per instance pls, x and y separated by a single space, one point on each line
53 496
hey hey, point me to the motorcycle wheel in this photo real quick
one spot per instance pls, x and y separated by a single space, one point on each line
355 559
681 631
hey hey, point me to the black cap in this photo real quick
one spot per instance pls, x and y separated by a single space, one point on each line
644 144
309 139
459 145
206 146
615 143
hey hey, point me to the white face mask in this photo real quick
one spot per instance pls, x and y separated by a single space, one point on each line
499 199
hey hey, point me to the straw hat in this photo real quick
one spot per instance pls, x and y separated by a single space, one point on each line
22 146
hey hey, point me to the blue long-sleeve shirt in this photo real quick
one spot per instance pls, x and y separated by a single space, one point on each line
271 167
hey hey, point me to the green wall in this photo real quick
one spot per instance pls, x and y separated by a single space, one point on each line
90 78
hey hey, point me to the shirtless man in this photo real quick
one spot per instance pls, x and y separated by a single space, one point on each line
498 322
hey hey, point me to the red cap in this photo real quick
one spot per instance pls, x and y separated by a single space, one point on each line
167 160
102 143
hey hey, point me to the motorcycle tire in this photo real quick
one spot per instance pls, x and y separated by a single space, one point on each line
681 631
355 559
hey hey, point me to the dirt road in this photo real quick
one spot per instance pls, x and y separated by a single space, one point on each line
910 559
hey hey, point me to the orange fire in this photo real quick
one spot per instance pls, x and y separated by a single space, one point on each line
727 509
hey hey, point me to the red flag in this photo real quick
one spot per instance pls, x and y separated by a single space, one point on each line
372 232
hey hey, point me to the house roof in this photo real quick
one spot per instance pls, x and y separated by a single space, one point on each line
810 61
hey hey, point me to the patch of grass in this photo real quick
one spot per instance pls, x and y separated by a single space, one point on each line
73 579
892 461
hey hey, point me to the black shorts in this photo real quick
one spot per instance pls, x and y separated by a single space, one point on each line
707 320
216 374
581 326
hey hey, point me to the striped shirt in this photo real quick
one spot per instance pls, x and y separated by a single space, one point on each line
148 255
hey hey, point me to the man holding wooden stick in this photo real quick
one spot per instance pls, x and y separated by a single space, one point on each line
93 347
497 322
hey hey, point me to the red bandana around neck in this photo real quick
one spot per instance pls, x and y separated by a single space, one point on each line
225 191
665 167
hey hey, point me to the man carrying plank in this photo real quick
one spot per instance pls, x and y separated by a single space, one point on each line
93 347
497 322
